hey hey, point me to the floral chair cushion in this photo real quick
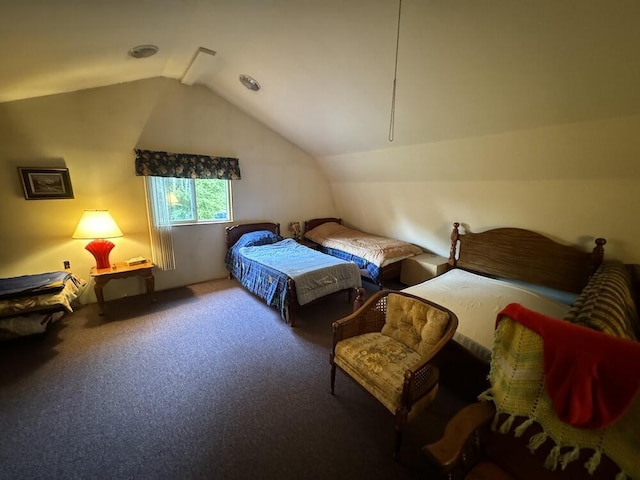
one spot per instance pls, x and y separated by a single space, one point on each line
377 362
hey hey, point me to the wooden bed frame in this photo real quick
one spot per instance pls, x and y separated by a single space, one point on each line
516 254
531 257
524 255
234 233
390 271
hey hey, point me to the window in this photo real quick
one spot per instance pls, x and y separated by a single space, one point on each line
198 200
181 189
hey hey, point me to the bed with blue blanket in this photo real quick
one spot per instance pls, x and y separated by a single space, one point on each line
30 303
283 272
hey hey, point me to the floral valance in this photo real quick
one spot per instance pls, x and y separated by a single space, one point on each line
186 165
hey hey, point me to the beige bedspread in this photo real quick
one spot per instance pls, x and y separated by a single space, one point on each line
378 250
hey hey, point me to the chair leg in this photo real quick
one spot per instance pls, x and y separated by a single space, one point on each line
398 441
333 377
401 421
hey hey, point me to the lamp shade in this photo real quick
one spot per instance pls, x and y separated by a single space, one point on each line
97 224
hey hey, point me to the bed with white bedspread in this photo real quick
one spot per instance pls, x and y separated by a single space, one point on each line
491 269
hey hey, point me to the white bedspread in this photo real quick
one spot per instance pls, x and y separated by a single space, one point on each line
476 300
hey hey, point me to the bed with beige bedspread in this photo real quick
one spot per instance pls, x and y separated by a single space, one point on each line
378 257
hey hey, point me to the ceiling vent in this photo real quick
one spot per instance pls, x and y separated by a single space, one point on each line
249 82
143 51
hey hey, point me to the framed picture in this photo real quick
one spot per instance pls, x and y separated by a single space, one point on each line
45 183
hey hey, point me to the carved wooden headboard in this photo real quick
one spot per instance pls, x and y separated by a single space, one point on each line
314 222
524 255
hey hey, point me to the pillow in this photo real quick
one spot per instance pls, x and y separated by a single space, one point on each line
606 303
259 237
415 323
321 232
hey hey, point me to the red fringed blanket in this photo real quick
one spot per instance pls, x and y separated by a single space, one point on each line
591 377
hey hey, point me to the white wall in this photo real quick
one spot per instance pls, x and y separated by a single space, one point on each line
571 182
93 133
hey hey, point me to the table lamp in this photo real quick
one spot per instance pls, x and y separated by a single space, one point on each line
98 225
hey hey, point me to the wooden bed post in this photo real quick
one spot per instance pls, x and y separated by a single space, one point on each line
598 254
454 243
360 294
292 308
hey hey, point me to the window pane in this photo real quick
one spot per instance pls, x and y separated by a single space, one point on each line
212 198
180 199
199 200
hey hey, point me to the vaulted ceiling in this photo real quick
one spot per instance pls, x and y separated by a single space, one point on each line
465 67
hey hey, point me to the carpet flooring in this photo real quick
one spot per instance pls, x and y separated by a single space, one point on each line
206 383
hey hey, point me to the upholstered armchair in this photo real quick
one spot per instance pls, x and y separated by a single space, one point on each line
387 345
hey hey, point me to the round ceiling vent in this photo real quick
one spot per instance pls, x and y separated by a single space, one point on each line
249 82
143 51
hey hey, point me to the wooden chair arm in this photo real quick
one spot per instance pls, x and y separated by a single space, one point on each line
447 452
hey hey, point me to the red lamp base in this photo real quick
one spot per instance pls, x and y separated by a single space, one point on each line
100 249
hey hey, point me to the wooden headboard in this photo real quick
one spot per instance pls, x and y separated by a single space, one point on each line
236 231
314 222
524 255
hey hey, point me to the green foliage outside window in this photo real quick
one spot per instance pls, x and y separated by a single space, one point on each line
212 199
199 200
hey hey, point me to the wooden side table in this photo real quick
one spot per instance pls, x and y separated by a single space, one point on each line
101 277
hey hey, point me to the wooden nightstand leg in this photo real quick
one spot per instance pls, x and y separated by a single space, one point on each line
97 288
151 282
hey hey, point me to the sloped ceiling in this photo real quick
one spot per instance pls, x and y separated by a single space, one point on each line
465 67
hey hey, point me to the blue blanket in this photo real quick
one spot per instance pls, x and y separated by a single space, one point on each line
374 271
314 273
26 285
265 270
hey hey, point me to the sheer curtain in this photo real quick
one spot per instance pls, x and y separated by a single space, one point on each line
160 229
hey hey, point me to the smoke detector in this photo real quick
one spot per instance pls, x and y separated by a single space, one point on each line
143 51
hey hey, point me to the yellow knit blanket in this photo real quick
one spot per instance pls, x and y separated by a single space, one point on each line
517 389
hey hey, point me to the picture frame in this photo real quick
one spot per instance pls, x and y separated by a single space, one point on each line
45 183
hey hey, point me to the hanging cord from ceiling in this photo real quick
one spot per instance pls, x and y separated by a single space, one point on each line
392 121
